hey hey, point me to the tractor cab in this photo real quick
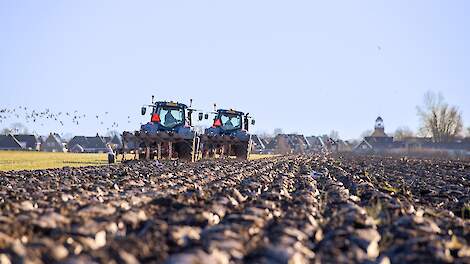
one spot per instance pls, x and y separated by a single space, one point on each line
168 116
230 121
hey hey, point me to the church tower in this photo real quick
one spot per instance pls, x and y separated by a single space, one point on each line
379 129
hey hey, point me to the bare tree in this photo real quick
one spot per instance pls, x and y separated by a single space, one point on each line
403 132
354 142
334 135
438 119
277 131
366 133
66 136
112 133
5 131
264 134
15 128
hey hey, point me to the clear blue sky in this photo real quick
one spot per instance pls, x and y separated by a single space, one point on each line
304 66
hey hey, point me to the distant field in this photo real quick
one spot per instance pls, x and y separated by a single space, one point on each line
29 160
26 160
261 156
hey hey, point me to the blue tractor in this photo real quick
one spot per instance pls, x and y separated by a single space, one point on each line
228 136
169 134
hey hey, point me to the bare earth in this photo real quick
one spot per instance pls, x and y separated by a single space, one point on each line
297 209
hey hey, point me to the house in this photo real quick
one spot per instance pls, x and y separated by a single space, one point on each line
344 146
53 143
28 142
94 144
19 142
288 143
266 140
9 142
41 140
303 141
363 147
258 145
106 139
316 143
75 144
77 148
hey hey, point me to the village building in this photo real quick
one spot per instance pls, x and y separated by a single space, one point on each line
458 146
344 145
53 143
378 141
316 143
266 140
41 140
28 142
330 143
79 144
257 145
19 142
9 142
288 143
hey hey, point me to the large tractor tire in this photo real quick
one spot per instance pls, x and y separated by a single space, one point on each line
208 151
241 151
184 150
142 156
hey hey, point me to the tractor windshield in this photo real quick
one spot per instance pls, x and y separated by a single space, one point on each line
230 121
170 116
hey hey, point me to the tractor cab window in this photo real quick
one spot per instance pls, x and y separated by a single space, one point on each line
170 116
230 121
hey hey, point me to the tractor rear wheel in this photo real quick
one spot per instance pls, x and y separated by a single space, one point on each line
241 151
184 150
208 151
142 156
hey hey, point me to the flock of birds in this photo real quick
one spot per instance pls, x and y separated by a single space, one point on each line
35 117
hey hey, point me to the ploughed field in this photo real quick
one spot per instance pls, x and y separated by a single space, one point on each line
297 209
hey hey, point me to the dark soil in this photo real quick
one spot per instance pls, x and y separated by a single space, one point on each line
298 209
